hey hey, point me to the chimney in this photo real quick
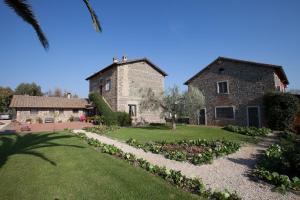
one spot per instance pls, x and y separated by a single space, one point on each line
69 95
124 58
115 60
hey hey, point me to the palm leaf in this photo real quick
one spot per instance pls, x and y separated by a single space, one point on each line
23 9
93 16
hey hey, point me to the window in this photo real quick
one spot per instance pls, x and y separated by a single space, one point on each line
221 70
34 111
132 110
223 87
75 111
224 113
107 85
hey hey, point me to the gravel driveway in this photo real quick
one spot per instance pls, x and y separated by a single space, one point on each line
229 172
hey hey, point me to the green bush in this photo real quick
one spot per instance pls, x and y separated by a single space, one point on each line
281 110
108 117
250 131
123 118
280 163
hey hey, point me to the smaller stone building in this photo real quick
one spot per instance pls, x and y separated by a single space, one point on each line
121 83
234 91
39 108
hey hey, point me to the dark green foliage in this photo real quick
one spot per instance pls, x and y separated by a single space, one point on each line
250 131
106 113
5 97
193 151
123 118
281 110
31 89
280 164
192 185
108 117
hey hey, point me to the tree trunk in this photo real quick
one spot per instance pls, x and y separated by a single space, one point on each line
173 124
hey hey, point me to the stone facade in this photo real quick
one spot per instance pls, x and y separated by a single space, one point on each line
59 115
127 81
247 84
97 84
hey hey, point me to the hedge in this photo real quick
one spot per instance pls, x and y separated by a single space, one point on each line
281 110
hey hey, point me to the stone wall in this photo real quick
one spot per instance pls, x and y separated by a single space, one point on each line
23 114
131 79
247 85
100 80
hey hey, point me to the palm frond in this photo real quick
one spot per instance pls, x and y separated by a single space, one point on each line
93 16
23 9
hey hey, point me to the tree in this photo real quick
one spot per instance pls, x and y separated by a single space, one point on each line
173 103
193 102
23 9
31 89
5 96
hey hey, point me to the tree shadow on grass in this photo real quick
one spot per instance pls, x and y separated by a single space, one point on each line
12 144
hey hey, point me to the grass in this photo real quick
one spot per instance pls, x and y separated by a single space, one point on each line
61 166
160 133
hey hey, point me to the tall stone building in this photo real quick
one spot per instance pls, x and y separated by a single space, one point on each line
234 91
121 82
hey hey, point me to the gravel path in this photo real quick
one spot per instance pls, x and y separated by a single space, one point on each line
229 172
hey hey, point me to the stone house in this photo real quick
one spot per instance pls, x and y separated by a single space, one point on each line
234 91
58 109
121 82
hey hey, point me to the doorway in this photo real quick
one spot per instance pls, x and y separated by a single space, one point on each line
253 115
202 117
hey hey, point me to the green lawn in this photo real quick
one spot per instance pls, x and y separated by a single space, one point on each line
159 133
61 166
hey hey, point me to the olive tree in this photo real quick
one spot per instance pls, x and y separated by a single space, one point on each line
173 103
193 102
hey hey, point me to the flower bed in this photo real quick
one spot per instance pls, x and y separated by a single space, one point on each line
250 131
101 129
280 164
193 151
192 185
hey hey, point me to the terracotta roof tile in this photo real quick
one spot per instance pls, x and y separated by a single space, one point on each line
24 101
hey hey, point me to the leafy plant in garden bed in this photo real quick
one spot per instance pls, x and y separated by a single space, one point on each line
250 131
101 129
280 164
193 151
192 185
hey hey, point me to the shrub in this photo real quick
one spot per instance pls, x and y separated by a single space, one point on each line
281 109
123 118
97 119
29 120
280 164
103 108
250 131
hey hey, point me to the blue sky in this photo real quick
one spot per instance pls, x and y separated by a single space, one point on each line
181 37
